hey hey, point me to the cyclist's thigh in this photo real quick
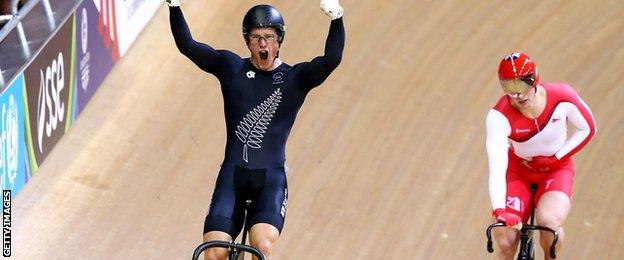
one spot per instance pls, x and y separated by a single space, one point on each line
271 206
554 207
226 212
555 195
560 180
518 198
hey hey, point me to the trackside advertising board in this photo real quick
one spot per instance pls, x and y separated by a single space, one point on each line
49 83
39 106
96 51
13 156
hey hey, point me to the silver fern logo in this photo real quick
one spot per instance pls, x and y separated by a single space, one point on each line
253 126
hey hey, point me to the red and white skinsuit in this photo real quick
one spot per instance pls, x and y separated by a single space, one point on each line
513 138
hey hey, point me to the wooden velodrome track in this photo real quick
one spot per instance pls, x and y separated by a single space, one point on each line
387 159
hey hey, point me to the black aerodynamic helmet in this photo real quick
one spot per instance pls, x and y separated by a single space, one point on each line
264 16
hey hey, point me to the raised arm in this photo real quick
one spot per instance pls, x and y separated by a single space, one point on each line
204 56
317 70
334 45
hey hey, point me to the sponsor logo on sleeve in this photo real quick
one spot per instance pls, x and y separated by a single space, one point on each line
514 203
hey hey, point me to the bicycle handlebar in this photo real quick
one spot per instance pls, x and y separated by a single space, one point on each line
229 245
525 228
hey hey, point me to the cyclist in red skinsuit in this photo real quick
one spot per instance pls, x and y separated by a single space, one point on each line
526 143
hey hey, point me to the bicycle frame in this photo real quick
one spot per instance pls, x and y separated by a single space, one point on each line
527 247
235 248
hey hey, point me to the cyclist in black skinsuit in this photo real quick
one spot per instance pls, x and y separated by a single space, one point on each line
262 96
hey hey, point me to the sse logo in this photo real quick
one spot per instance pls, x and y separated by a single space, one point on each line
50 107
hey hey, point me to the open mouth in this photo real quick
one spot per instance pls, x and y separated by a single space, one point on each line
264 54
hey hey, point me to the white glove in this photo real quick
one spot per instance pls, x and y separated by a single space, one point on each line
172 3
332 8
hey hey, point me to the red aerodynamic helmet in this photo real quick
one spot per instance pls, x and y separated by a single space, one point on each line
518 66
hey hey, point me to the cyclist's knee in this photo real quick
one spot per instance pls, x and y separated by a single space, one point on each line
264 245
216 254
507 241
546 237
506 247
262 237
551 220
